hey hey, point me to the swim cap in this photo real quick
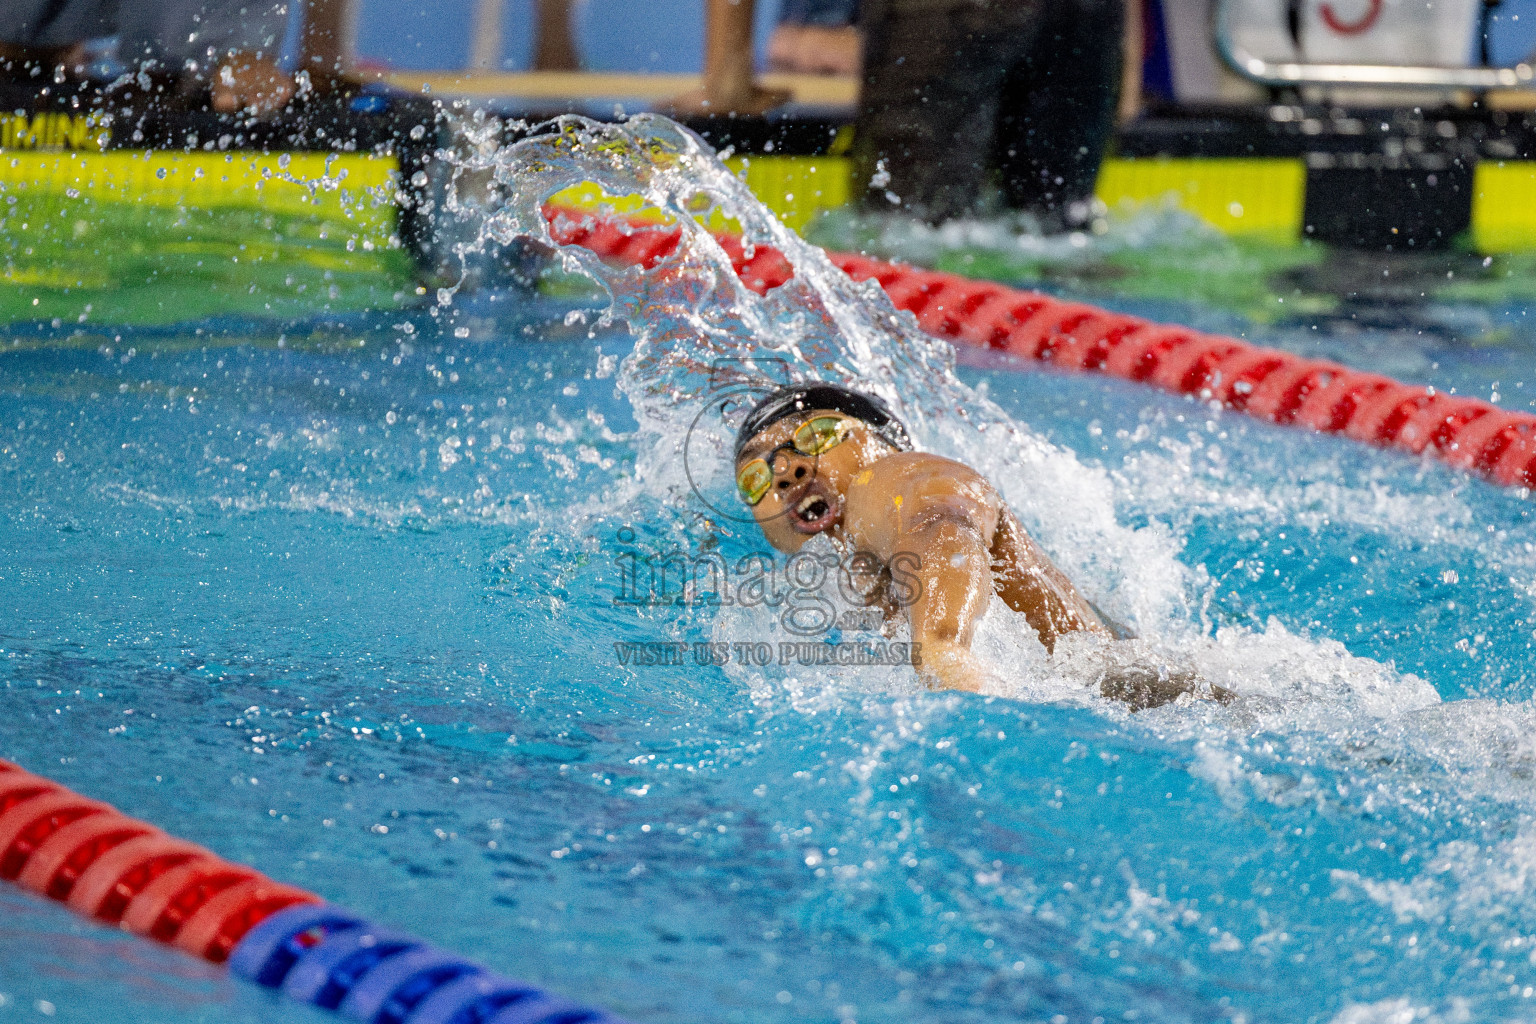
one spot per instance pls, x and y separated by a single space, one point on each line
798 398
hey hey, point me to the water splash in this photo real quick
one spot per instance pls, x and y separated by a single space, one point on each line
1340 843
703 340
1018 240
699 332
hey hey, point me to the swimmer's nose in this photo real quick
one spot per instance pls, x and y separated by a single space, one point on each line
799 474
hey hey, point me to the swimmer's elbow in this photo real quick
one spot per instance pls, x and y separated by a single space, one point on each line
947 528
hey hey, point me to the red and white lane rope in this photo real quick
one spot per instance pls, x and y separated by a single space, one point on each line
120 871
1280 387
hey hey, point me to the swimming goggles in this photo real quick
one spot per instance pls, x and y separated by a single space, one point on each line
811 438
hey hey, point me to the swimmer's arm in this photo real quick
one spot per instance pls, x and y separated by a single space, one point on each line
1029 583
953 586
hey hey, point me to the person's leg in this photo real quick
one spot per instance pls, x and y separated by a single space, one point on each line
1057 110
554 47
326 45
730 85
927 116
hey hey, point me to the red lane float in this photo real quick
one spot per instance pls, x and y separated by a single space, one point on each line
120 871
108 866
1269 384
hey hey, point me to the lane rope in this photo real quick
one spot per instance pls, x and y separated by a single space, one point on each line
1280 387
117 870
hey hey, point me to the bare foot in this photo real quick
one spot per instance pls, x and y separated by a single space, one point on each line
756 100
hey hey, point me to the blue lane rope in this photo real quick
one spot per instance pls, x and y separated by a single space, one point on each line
327 957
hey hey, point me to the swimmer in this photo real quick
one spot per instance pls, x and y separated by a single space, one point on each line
819 458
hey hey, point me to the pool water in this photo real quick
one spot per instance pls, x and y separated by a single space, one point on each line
342 602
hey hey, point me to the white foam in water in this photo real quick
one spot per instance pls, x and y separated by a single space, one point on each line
698 329
1192 476
1404 1011
1016 236
1358 803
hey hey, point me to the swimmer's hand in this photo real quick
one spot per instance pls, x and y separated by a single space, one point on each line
949 666
1142 686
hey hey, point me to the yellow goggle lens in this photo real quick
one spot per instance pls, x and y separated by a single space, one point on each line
819 435
813 437
754 480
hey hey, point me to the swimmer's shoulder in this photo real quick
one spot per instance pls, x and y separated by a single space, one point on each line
909 468
918 475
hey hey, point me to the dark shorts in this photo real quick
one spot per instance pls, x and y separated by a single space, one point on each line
1019 92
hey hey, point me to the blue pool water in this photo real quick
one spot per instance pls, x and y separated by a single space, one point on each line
342 602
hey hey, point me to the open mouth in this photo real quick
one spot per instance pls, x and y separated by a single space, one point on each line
814 512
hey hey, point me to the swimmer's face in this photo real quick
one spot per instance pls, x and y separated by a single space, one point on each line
808 492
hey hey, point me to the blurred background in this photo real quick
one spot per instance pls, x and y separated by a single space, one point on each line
1223 152
665 36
